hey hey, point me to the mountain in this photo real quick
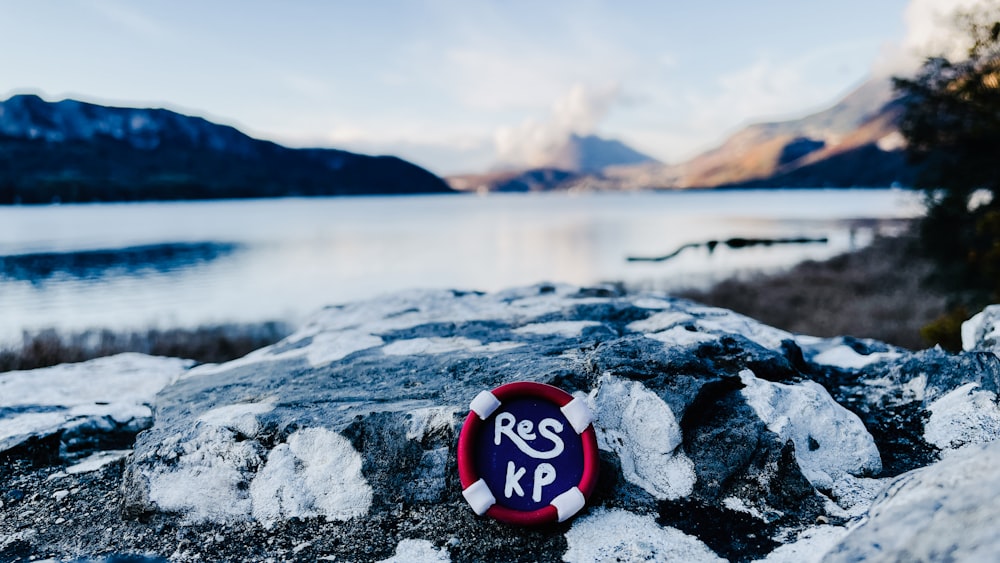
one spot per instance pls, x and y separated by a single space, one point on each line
855 142
74 151
577 164
592 154
531 180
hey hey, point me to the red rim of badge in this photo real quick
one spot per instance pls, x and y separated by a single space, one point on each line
469 476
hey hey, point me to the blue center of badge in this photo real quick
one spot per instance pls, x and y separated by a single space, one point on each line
528 454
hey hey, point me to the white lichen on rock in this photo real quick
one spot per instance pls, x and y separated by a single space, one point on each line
638 426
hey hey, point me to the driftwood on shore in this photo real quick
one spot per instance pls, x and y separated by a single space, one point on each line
735 242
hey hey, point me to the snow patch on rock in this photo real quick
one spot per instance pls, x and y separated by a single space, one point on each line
963 416
418 551
724 321
209 480
336 332
239 417
660 321
327 348
407 309
567 329
443 345
322 349
636 424
810 546
830 441
19 427
843 356
114 391
223 474
96 461
315 473
618 535
207 477
652 303
680 336
982 331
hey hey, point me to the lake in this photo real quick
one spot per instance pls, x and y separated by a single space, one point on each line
142 265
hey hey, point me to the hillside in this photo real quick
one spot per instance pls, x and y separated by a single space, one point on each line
72 151
855 142
591 154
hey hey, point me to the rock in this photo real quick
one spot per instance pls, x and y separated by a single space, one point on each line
106 400
982 331
896 396
947 511
720 437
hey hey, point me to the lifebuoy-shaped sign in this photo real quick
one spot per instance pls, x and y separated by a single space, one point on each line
527 454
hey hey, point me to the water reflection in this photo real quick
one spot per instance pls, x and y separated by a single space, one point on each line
41 267
139 265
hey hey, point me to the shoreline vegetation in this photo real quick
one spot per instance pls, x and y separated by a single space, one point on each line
206 344
879 291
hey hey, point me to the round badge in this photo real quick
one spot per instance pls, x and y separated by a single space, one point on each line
527 454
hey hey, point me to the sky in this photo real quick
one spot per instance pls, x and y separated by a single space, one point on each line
463 85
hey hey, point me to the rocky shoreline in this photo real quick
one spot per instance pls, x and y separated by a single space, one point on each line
721 439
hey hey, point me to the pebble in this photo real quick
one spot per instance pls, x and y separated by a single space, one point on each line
301 546
60 520
60 494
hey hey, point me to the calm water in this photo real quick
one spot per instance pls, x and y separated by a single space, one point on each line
183 264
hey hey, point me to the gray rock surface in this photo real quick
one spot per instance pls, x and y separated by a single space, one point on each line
945 512
720 437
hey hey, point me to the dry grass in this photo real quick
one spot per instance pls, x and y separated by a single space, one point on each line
218 343
878 292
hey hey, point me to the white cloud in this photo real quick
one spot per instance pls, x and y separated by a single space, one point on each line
537 142
930 30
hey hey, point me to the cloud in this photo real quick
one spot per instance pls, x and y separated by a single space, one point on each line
931 30
539 142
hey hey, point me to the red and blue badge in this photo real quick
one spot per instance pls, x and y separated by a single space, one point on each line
527 454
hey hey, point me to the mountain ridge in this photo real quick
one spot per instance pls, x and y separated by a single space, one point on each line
853 143
74 151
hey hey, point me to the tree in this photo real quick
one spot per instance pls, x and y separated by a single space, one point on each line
951 121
